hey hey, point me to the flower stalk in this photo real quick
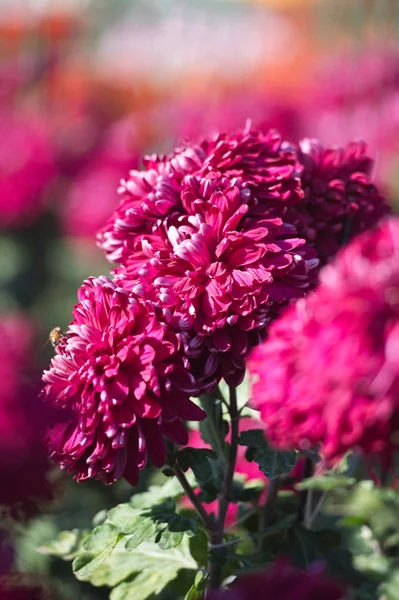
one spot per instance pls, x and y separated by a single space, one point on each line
269 508
205 518
215 566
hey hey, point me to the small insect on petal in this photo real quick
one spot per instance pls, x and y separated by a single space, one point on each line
54 337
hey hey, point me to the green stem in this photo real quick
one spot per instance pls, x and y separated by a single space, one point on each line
316 510
269 508
215 565
212 407
303 498
196 502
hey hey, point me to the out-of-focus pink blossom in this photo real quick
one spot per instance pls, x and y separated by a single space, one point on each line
26 168
192 116
193 233
355 94
24 463
120 374
329 371
92 196
281 580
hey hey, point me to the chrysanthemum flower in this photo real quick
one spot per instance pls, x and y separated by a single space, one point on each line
329 371
341 199
282 580
199 233
120 374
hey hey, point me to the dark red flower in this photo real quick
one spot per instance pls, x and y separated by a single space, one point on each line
341 199
284 581
199 234
120 373
329 371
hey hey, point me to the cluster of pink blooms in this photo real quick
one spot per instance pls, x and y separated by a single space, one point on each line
200 233
210 242
329 371
282 580
24 462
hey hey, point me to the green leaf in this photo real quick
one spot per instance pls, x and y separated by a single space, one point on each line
116 568
159 520
307 546
373 565
121 565
101 538
100 518
97 547
158 493
326 483
391 587
145 584
376 506
170 525
214 428
196 591
244 491
66 545
199 547
167 539
282 524
198 460
86 564
271 462
145 528
125 518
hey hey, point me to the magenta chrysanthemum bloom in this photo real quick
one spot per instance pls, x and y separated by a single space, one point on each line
26 168
199 233
120 374
329 371
341 199
282 580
